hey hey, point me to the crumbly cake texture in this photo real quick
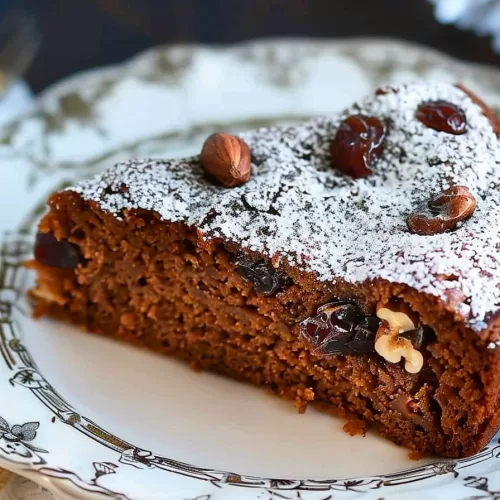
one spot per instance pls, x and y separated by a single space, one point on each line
298 208
160 245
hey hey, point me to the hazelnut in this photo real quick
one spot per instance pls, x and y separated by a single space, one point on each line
393 347
442 212
227 159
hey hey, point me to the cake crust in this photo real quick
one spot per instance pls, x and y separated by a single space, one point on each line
298 209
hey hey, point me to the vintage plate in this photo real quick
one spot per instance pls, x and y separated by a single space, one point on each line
90 418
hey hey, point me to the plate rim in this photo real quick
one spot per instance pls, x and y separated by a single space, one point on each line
349 42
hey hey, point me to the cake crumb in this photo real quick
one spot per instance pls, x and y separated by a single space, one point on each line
415 455
153 313
127 320
196 366
302 398
355 427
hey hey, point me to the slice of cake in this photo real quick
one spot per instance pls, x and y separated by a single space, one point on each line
350 261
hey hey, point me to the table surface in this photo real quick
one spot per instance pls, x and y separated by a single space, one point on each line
86 33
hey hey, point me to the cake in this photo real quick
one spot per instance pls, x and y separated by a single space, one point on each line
350 262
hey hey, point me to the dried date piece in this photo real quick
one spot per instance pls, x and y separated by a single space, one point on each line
364 336
443 212
340 328
267 280
415 336
358 144
442 116
419 337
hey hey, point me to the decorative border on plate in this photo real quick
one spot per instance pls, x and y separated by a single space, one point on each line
18 440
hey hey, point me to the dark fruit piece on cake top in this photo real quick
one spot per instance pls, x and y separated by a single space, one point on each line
227 159
54 253
442 116
487 110
443 212
340 328
386 89
358 144
266 280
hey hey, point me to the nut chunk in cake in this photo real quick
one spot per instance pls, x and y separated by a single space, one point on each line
350 261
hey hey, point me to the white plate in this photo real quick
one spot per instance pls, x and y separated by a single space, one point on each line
104 420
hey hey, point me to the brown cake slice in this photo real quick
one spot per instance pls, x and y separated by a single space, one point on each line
350 261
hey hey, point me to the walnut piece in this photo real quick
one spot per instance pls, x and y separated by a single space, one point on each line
398 319
391 346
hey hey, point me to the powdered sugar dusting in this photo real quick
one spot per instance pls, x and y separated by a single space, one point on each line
297 205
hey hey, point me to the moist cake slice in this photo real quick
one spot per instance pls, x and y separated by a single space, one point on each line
350 261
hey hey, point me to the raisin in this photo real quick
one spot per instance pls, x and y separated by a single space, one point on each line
442 116
358 144
54 253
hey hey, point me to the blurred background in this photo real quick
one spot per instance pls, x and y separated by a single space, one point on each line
42 41
81 34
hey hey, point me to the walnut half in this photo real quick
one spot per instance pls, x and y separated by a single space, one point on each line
391 346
